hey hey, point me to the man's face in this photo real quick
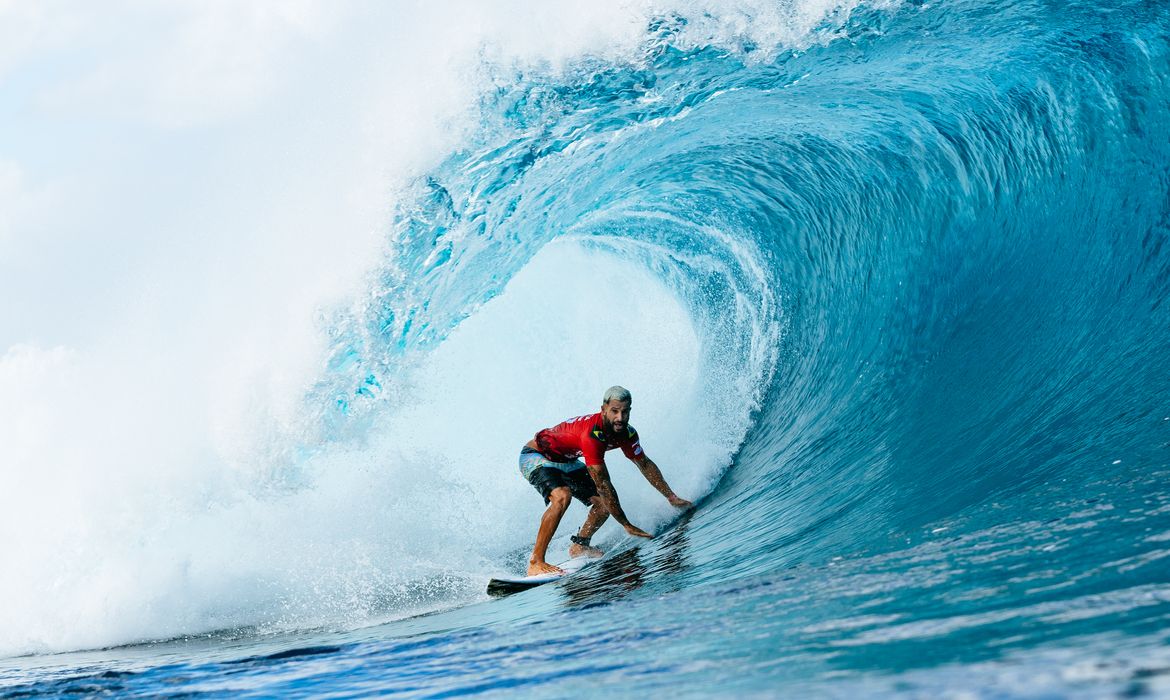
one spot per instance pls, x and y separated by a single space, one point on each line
615 416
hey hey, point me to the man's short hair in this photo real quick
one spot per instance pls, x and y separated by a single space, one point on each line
617 393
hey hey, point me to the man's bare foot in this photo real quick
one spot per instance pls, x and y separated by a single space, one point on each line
543 567
584 550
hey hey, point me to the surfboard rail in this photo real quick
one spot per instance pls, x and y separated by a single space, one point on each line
504 585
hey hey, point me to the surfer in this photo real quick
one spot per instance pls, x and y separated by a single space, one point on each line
551 462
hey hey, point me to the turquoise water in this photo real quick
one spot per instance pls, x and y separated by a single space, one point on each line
920 272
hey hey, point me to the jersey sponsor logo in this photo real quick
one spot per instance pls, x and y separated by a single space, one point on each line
637 448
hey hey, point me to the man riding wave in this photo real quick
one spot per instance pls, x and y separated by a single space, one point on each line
552 463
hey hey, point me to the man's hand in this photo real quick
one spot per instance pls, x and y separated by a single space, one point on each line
638 532
678 502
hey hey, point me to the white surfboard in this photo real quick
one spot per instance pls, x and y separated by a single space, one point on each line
507 585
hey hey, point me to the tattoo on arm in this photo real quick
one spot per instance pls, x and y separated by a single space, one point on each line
653 475
608 494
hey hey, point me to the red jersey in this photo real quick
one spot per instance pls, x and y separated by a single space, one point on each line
585 436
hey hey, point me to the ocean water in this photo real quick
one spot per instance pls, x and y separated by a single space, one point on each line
890 285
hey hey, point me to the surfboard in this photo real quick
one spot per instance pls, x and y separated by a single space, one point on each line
507 585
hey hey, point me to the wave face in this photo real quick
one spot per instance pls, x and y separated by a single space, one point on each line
932 271
893 302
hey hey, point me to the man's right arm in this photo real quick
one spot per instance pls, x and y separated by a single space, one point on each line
609 499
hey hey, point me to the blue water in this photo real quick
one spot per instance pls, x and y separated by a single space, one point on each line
925 258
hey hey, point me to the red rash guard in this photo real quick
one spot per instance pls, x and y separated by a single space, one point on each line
585 436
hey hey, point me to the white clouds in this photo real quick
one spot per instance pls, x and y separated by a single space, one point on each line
24 208
178 63
28 29
218 59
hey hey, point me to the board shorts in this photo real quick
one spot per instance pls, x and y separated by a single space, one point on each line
546 475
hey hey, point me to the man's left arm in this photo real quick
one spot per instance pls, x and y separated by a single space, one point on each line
653 474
